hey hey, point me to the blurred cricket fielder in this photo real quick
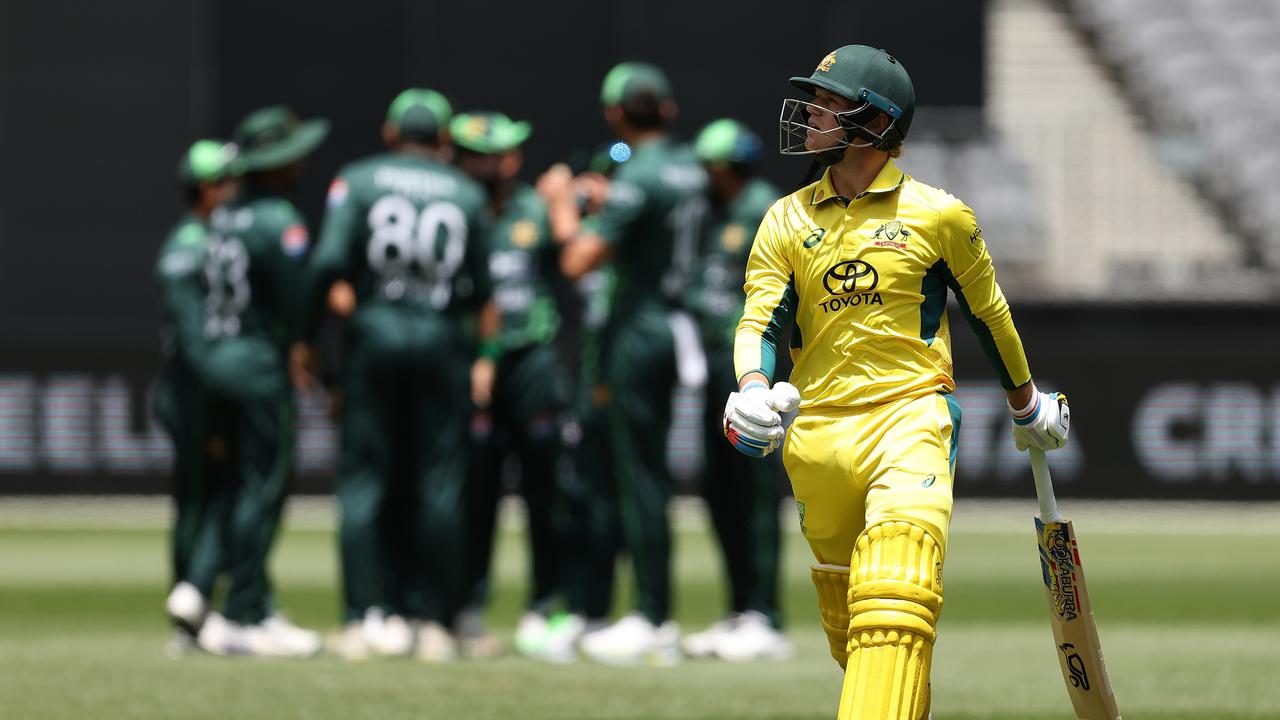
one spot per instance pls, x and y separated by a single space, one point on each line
861 261
402 253
520 417
648 230
742 495
254 266
201 498
589 523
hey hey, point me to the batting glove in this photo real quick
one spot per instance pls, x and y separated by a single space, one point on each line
1043 424
752 422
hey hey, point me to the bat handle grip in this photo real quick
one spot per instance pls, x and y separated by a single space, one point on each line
1044 487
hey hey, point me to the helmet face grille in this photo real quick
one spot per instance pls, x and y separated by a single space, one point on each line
795 127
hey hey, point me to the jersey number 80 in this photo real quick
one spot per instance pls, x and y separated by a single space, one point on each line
416 254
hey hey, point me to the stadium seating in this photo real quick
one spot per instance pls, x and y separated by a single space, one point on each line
1205 72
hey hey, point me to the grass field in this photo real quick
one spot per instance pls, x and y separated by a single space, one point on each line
1186 598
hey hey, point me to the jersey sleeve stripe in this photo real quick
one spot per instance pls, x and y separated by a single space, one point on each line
933 289
763 356
779 319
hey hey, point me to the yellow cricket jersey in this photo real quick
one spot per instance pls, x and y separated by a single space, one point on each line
866 283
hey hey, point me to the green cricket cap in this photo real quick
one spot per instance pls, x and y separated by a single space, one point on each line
205 161
275 136
420 112
488 133
862 73
629 79
728 141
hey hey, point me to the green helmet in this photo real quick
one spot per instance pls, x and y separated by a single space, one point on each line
873 79
628 80
727 142
419 113
205 161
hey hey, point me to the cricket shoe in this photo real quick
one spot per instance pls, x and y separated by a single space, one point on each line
388 635
350 643
187 607
531 633
752 637
634 640
220 636
703 644
474 639
435 645
560 642
289 640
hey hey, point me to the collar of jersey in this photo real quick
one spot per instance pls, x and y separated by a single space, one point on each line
889 178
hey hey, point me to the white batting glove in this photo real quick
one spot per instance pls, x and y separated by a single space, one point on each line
752 422
1043 424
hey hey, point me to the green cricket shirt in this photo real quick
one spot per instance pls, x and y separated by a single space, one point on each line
522 265
652 221
715 294
407 232
254 268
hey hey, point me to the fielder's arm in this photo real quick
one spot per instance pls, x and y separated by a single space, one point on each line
484 370
329 261
179 273
600 234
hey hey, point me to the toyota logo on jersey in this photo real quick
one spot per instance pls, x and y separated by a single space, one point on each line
851 276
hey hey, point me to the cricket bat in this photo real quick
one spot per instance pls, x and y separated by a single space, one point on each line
1070 611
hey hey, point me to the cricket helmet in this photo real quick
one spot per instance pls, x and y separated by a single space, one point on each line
420 114
874 80
205 161
728 142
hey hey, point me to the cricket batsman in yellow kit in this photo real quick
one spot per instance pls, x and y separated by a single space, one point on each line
861 261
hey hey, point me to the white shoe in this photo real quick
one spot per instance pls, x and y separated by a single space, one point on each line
634 640
435 644
219 636
289 640
531 633
474 639
274 637
389 636
666 647
752 637
349 643
563 633
703 644
187 607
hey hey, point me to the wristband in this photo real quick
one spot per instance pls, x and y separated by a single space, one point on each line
1027 414
490 349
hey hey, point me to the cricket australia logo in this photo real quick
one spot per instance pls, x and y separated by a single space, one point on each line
800 511
887 235
853 283
1058 563
1075 664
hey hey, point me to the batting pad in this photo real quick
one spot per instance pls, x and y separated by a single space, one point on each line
832 582
895 595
